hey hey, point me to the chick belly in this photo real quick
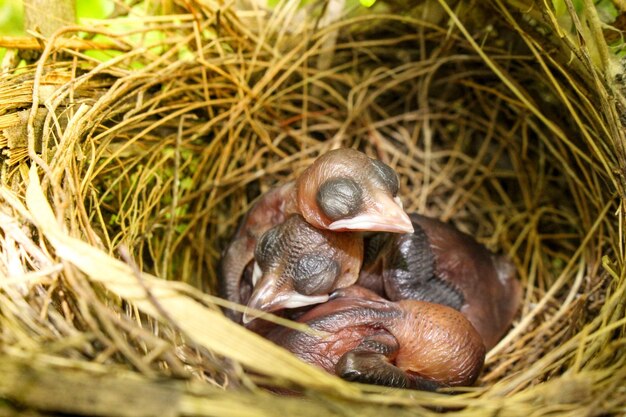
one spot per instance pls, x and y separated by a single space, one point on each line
326 351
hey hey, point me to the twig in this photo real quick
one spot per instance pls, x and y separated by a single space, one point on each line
29 43
595 26
175 189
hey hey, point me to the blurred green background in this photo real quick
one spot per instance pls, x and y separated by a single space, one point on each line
12 14
11 17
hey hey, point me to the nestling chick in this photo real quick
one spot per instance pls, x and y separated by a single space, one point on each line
408 344
298 265
439 264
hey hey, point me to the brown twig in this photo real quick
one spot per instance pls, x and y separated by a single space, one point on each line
29 43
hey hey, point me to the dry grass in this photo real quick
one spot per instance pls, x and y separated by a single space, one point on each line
119 172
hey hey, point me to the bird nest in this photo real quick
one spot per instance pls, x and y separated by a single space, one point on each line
132 146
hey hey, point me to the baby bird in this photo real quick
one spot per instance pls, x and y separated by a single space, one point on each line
439 264
406 344
298 265
343 190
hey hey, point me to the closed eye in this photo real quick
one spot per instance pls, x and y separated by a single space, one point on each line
315 274
387 177
267 249
339 198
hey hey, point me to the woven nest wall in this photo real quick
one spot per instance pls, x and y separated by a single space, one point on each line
123 178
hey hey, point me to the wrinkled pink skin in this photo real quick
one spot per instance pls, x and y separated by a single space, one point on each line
487 282
425 341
